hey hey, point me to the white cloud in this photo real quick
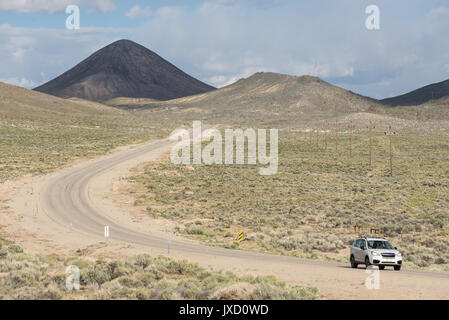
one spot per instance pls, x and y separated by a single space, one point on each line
33 56
221 44
21 82
137 11
103 5
225 80
170 12
218 81
221 41
54 6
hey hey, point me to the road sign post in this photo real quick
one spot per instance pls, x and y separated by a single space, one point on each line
240 237
106 233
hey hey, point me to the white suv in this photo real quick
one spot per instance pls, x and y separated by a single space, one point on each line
375 251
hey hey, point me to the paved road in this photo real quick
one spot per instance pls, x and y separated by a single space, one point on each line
67 200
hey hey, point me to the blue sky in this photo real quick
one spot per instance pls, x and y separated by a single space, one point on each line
220 41
91 15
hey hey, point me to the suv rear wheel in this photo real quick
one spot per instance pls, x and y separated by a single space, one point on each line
353 263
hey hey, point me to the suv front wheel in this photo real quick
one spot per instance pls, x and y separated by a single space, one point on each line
353 263
367 263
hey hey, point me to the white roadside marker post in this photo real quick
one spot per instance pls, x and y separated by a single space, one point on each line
106 233
71 227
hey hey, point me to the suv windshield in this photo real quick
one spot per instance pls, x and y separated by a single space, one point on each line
379 244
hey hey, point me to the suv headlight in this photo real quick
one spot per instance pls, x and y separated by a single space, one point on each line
399 254
375 253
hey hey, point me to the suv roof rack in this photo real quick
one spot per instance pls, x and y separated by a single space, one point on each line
364 236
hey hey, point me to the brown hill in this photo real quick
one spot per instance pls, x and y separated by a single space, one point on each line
20 103
268 97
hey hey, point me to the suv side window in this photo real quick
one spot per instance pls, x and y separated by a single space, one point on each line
362 243
357 243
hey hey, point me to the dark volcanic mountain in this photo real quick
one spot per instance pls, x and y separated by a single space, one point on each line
124 69
431 92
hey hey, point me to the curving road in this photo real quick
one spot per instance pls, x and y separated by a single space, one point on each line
67 199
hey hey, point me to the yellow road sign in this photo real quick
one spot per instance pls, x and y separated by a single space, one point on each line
240 237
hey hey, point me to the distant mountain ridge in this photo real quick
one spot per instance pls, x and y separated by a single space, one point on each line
422 95
124 69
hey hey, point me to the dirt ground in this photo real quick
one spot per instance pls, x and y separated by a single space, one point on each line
23 222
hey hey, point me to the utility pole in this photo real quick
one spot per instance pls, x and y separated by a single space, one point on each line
371 127
351 127
325 135
389 134
336 136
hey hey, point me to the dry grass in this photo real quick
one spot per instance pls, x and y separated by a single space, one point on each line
24 276
328 191
40 132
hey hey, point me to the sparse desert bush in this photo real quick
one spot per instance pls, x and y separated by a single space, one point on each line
138 278
15 248
34 142
309 208
237 291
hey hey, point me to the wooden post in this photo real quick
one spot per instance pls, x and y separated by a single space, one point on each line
389 134
325 135
336 136
391 154
358 228
350 139
371 127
